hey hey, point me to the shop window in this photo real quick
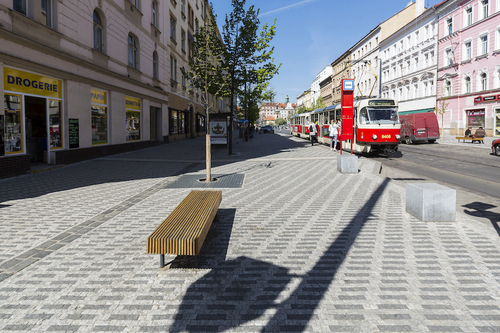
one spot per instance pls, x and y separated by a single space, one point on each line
155 65
13 123
98 32
497 122
55 124
133 119
475 118
46 6
20 6
132 52
174 125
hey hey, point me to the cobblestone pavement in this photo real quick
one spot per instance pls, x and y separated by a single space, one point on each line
298 247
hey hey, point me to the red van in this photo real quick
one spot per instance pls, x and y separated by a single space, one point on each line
418 127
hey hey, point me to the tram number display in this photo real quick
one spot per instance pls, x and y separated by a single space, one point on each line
386 136
381 102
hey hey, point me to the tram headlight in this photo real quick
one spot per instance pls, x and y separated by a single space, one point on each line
398 136
374 136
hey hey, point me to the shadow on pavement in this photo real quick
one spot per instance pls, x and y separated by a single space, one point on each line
157 162
241 290
480 209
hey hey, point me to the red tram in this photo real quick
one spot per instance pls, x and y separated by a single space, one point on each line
376 125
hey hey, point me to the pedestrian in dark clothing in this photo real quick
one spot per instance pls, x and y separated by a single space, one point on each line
468 132
313 132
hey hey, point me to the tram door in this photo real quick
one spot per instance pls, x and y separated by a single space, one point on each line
36 128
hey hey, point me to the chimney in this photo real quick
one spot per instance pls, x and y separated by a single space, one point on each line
420 8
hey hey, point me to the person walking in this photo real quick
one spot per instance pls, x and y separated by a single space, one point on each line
333 130
312 132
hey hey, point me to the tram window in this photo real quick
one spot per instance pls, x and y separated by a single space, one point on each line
382 116
363 116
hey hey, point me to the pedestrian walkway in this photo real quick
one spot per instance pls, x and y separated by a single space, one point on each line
296 247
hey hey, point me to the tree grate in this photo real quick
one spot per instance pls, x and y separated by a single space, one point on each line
221 181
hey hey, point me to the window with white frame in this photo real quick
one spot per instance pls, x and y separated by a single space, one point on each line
467 54
415 90
447 88
468 16
173 24
467 85
497 38
484 8
407 92
415 61
426 32
448 57
409 42
154 13
408 68
497 77
426 60
483 79
426 87
431 89
432 58
417 35
449 27
483 45
133 61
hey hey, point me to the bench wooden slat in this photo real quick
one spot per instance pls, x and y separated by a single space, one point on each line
185 229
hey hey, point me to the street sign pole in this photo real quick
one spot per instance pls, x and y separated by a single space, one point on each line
347 112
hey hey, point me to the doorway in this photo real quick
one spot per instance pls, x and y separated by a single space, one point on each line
36 128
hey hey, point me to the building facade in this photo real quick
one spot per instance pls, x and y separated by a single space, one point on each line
340 71
409 66
315 85
468 60
83 79
365 54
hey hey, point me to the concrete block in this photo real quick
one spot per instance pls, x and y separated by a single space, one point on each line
430 202
347 163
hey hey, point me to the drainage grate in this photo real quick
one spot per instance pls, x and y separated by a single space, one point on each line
222 181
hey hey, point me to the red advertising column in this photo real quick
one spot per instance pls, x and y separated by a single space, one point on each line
347 114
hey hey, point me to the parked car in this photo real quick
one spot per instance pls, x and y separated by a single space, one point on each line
418 127
266 129
495 147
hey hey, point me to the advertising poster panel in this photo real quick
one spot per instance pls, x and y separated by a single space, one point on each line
218 131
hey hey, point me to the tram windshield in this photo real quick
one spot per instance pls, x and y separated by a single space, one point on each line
378 116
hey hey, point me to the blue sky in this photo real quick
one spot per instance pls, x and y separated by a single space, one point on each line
310 34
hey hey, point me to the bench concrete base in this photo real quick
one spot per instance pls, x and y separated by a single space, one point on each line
430 202
347 163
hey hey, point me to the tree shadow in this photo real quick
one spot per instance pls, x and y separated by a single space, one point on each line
480 209
240 290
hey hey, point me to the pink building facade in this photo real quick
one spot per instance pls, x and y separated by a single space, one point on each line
469 65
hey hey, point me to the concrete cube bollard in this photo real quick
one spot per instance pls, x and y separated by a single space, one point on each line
430 202
347 163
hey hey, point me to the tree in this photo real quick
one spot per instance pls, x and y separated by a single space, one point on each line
247 54
206 71
441 108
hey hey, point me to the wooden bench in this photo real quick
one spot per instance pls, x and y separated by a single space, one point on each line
184 230
469 138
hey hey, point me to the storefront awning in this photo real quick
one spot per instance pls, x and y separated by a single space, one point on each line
417 111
